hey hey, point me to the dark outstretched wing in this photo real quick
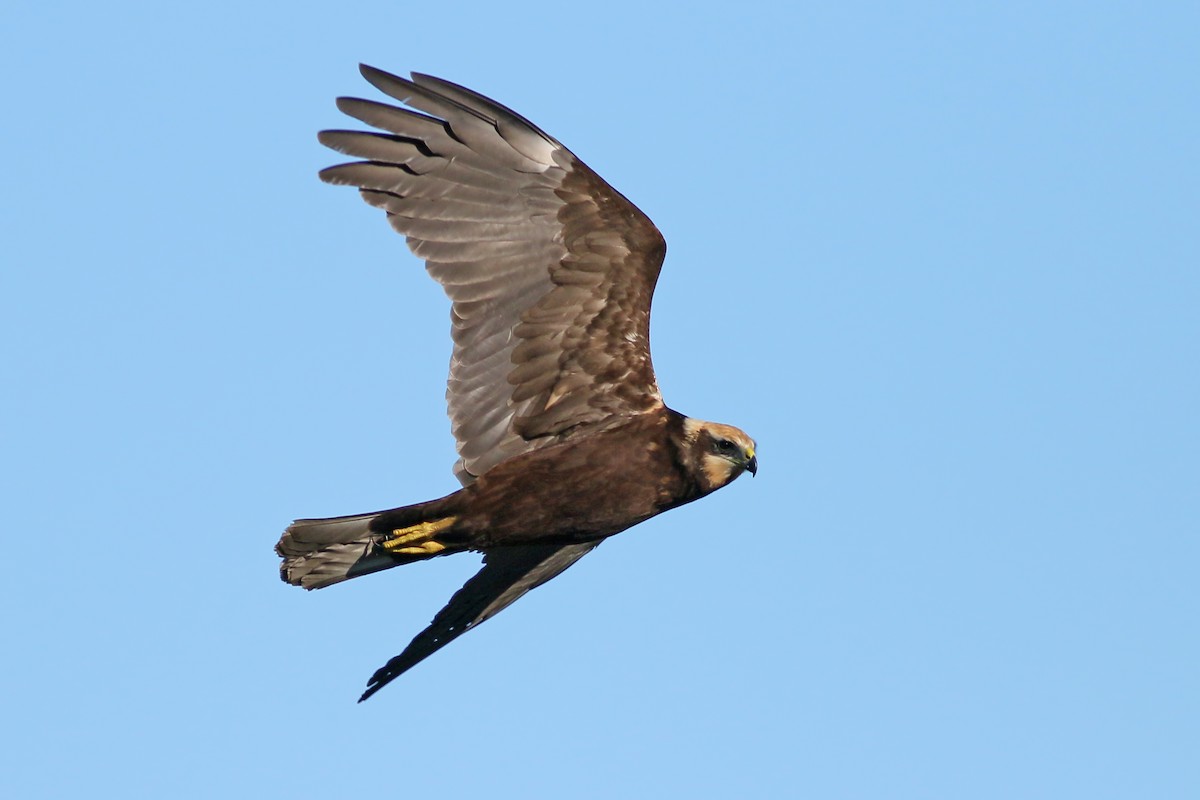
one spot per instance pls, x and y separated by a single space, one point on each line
550 270
507 574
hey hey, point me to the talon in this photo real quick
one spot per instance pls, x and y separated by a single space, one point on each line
416 539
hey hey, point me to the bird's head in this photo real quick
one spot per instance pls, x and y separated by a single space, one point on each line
718 453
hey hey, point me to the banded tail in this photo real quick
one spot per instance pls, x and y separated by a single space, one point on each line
321 552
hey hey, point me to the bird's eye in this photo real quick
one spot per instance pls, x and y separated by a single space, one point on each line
726 447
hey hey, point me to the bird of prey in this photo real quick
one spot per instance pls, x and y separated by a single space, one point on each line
563 438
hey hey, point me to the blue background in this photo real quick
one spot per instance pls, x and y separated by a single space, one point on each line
939 259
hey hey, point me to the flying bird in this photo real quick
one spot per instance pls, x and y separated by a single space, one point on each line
562 435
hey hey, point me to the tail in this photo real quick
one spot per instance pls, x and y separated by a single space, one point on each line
320 552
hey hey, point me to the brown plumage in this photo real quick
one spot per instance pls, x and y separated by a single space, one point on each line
562 435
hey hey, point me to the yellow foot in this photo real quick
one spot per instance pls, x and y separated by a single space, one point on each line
418 539
422 549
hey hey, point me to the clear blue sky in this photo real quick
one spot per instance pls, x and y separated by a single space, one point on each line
940 259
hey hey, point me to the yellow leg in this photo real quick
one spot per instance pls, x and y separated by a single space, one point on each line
417 539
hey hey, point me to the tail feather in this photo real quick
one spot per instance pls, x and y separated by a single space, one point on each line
321 552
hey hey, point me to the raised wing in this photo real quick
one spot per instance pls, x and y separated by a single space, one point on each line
550 270
507 574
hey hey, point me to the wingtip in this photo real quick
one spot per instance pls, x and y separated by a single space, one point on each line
371 690
380 78
333 175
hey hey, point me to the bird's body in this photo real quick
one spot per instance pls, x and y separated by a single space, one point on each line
573 492
563 436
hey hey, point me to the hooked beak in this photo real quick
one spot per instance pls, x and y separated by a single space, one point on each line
752 466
